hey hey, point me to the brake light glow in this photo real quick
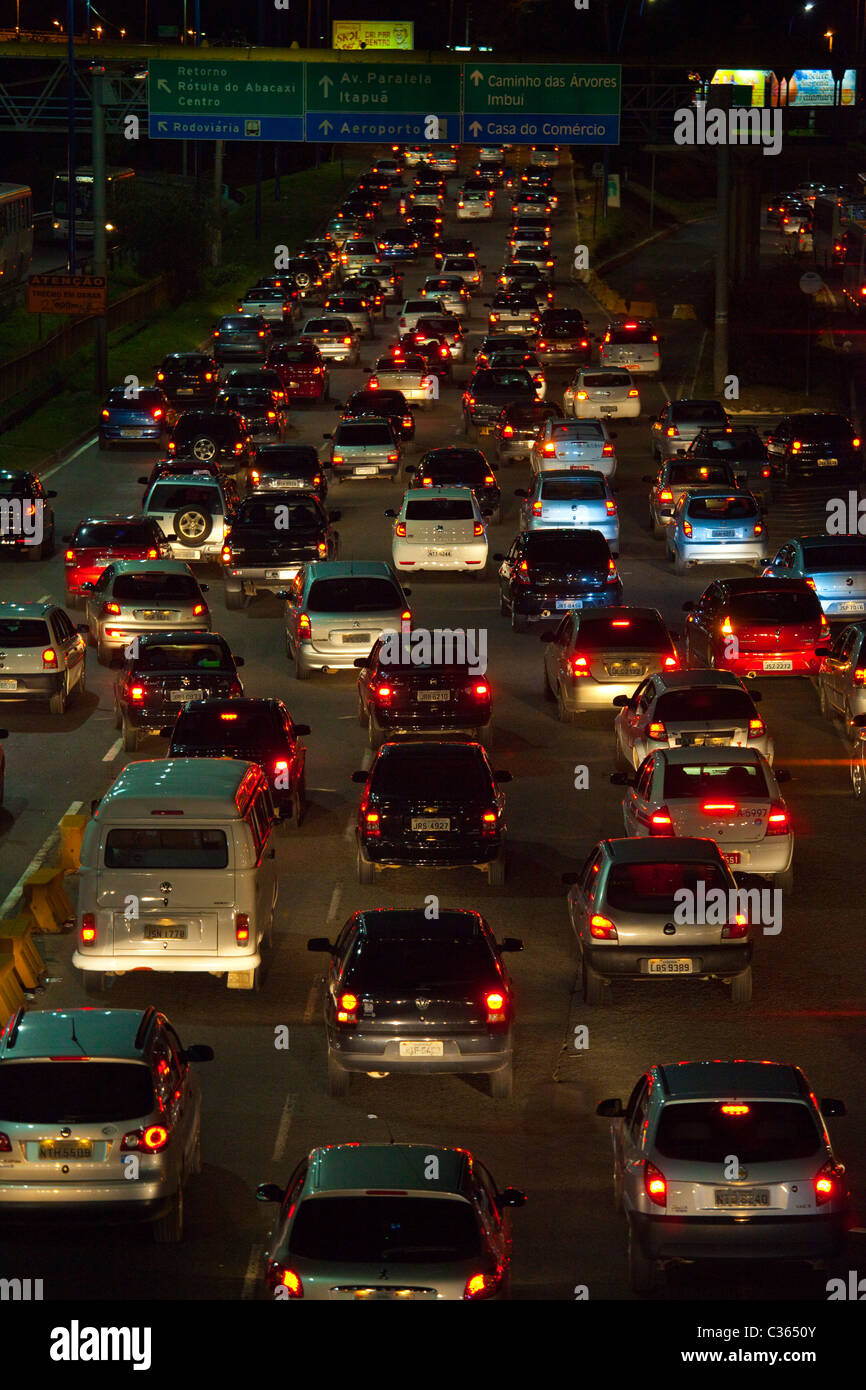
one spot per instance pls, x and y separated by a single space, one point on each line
612 576
657 730
602 928
655 1185
607 451
736 1109
304 629
49 657
660 822
666 495
152 1139
495 1002
242 928
478 529
712 808
136 692
88 928
670 663
757 728
726 627
400 528
371 823
579 666
549 449
777 821
483 1285
633 394
825 1183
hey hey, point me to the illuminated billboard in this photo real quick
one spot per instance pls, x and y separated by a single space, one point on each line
758 80
373 33
807 87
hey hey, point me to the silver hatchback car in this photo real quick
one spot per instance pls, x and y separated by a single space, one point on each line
335 337
337 609
363 1222
364 448
726 1160
688 709
89 1099
135 596
842 676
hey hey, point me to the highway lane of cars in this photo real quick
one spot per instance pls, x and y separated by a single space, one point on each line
559 1149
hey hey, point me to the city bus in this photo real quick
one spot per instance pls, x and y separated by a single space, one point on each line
831 216
854 266
116 181
16 232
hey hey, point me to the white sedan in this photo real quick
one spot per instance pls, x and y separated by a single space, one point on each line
407 373
441 528
599 392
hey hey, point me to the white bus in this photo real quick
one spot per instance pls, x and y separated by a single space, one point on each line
831 216
16 232
116 179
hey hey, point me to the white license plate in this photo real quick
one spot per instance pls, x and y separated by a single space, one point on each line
434 553
355 638
8 685
57 1149
157 933
724 535
185 391
681 966
280 574
852 607
180 697
131 434
431 823
778 665
742 1197
569 603
365 470
827 463
431 696
732 858
189 554
422 1049
607 410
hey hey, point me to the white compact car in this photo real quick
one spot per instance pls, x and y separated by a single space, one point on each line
441 528
574 444
42 656
601 392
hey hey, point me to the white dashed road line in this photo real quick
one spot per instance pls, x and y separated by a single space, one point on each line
284 1127
113 751
254 1264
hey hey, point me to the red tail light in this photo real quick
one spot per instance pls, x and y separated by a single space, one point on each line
655 1186
489 821
672 432
236 688
5 1144
612 576
657 730
826 1183
347 1008
481 691
633 394
736 929
322 548
607 451
372 823
304 628
49 657
111 608
105 414
70 557
719 808
242 928
280 766
537 508
279 1277
383 694
757 728
88 928
579 666
136 692
687 528
661 823
860 676
158 412
400 528
226 554
666 495
478 529
549 449
777 821
480 1286
152 1139
602 928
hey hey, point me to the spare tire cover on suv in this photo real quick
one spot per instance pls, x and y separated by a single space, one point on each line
193 523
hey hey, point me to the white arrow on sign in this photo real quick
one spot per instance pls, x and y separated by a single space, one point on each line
477 76
325 126
162 125
163 84
325 82
475 128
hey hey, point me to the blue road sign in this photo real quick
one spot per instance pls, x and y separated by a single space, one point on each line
543 129
407 127
167 126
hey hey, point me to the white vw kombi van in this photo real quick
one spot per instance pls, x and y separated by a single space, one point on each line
177 873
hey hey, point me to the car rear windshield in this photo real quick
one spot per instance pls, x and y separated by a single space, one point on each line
600 380
770 1131
187 362
730 781
503 377
209 728
354 435
849 556
622 633
704 705
218 427
587 430
379 402
451 468
568 548
248 323
152 587
333 325
183 656
301 464
170 497
353 594
65 1093
738 445
573 490
106 535
407 964
563 330
246 397
651 887
440 509
24 633
259 513
529 414
295 356
180 848
697 412
434 774
145 400
412 362
376 1230
620 337
774 606
820 427
699 473
721 508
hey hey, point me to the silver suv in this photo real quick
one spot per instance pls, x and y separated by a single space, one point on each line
680 422
100 1117
42 654
193 514
337 609
726 1160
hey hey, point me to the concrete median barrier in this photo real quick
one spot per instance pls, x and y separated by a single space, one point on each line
71 834
45 901
11 993
16 941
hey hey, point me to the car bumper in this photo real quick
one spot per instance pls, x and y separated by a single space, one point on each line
460 1056
621 410
416 725
732 553
345 354
463 557
142 1200
164 962
106 630
131 434
369 468
838 609
753 663
630 962
31 687
336 658
768 856
466 854
514 448
590 694
251 581
544 609
240 354
737 1238
208 550
609 529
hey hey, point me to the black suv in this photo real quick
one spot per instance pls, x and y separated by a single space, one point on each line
489 391
743 448
288 468
431 806
256 377
256 731
564 337
220 435
814 446
262 411
452 466
422 696
165 669
188 378
272 535
27 513
382 405
519 425
549 573
462 1023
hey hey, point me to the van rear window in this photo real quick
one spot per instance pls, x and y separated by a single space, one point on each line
164 848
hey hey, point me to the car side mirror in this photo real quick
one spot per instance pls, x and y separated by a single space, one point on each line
144 482
520 492
301 729
689 607
87 587
547 637
321 943
621 779
198 1052
610 1108
486 511
204 587
832 1109
389 511
360 776
511 1197
511 943
82 628
502 776
570 879
334 516
360 662
269 1192
620 701
407 593
781 774
819 651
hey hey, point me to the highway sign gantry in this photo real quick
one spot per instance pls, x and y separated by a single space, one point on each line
543 103
372 102
197 99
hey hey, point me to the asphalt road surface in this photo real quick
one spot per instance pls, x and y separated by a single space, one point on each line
264 1108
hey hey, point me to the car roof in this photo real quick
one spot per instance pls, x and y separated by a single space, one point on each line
688 680
31 609
395 1167
416 920
164 639
203 787
613 613
98 1033
726 1079
705 496
235 703
150 567
349 569
664 850
444 490
679 757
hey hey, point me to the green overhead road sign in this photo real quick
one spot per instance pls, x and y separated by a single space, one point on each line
383 101
560 103
204 99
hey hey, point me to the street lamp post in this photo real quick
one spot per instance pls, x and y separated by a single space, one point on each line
829 36
70 112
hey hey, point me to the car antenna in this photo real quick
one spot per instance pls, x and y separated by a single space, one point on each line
385 1123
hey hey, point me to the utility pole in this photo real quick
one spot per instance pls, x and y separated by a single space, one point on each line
720 97
100 257
71 190
260 28
217 241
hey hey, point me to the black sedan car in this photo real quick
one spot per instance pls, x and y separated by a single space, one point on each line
431 806
743 448
188 378
453 466
288 468
489 392
383 404
255 730
26 515
549 573
165 669
420 696
382 1013
814 446
271 536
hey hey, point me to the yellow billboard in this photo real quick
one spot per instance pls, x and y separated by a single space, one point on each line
373 33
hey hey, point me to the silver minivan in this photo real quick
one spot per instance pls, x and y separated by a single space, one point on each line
337 609
177 873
